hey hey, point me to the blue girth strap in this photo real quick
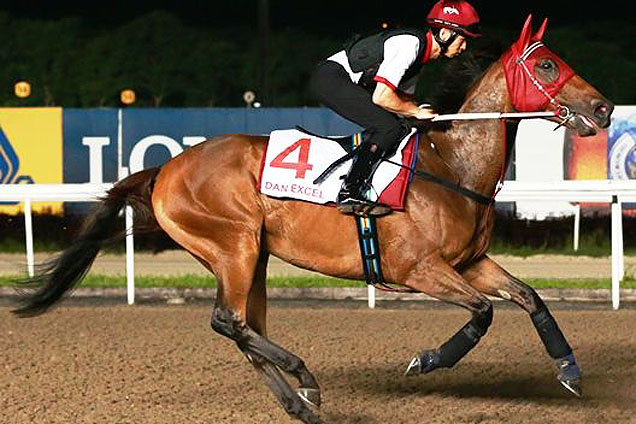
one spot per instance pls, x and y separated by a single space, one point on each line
370 252
369 249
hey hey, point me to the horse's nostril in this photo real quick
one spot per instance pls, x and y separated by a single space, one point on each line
602 110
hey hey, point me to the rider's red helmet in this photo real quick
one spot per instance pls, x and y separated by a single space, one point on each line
457 15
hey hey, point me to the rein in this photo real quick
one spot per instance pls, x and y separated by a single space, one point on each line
477 197
492 115
423 175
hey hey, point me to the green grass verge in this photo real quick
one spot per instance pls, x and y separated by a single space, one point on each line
200 281
586 248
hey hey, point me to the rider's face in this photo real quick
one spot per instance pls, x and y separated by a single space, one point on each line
457 47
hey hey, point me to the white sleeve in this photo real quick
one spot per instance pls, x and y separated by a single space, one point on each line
400 51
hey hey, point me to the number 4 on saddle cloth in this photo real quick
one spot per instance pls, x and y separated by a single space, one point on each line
294 159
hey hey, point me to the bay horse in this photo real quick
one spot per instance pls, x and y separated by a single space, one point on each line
207 200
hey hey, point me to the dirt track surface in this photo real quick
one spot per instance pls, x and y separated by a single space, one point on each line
163 364
179 262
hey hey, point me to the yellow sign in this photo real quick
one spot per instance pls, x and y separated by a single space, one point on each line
22 89
31 154
127 97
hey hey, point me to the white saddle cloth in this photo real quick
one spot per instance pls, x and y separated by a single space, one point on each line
295 159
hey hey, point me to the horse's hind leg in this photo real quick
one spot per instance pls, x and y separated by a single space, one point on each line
439 280
241 287
257 297
256 319
239 265
489 278
267 358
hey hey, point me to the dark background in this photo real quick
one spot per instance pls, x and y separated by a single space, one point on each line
323 15
189 53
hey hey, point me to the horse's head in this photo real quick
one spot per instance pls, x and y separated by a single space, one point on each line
538 80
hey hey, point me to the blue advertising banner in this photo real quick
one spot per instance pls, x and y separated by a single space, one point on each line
98 141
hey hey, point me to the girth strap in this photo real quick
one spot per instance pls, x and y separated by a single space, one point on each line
370 252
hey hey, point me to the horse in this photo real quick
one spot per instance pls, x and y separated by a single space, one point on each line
208 201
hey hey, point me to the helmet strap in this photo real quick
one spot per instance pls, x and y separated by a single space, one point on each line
444 44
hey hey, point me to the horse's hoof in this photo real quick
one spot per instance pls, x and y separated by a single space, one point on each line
414 367
573 386
570 375
424 363
310 396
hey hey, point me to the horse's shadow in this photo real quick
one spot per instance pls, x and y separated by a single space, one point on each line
387 380
604 379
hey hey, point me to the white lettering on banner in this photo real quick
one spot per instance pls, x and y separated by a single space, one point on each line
95 157
138 153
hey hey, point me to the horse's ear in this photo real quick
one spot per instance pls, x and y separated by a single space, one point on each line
538 36
526 34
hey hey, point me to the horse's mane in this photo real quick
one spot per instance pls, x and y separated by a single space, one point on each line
459 74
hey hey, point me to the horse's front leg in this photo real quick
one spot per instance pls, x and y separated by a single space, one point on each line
490 278
436 278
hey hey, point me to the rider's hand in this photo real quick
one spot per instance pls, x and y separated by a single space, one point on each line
425 113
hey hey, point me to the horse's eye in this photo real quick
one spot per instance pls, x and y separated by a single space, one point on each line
547 69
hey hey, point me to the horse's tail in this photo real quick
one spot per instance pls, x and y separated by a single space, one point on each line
62 273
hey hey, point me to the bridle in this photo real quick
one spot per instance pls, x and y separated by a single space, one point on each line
564 113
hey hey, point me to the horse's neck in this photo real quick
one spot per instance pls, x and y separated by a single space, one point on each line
475 150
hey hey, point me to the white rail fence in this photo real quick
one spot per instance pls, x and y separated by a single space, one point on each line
611 191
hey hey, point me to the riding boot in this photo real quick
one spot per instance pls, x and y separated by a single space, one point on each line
352 197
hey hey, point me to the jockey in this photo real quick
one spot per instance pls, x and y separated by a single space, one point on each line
372 83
